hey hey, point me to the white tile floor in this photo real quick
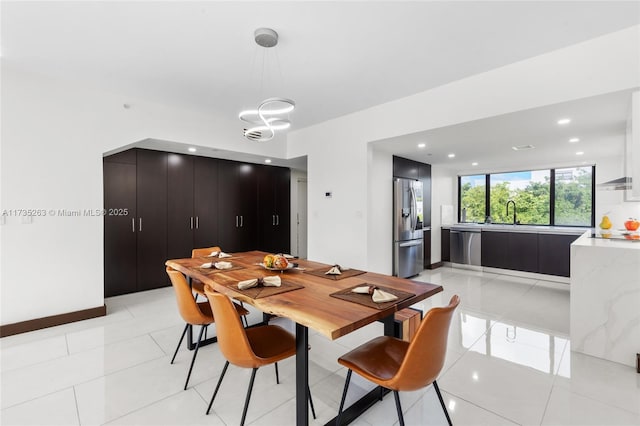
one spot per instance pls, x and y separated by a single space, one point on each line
509 362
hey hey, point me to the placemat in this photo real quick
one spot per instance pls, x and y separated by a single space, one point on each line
209 271
260 292
365 299
345 274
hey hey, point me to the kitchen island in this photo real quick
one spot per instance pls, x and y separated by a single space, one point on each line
605 298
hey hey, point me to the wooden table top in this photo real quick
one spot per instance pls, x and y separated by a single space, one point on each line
311 306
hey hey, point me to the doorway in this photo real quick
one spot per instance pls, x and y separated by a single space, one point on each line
301 219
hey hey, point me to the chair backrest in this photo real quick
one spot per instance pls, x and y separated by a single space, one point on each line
425 357
204 252
232 337
187 306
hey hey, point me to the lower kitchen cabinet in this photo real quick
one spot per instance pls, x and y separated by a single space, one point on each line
523 251
554 254
495 250
445 245
426 249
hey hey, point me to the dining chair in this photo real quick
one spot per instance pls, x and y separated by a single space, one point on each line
197 285
193 313
252 347
404 366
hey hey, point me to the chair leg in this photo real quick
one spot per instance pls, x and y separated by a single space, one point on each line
246 402
277 375
313 410
244 317
344 397
444 407
398 407
186 327
195 353
215 392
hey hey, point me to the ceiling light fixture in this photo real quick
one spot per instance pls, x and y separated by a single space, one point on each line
422 145
474 164
574 140
451 155
522 147
272 113
580 153
192 149
268 160
564 121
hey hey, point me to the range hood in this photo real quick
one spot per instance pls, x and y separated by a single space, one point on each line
620 184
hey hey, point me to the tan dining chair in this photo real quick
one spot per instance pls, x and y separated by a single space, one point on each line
252 347
404 366
192 312
198 286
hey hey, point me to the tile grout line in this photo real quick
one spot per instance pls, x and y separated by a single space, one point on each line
75 398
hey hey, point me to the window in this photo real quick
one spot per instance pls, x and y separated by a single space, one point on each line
562 197
529 191
473 191
574 195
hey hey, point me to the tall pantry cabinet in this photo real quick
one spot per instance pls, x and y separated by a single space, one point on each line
177 202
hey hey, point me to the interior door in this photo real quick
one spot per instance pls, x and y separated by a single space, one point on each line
180 214
301 219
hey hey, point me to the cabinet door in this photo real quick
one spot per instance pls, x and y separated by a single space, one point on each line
228 206
405 168
274 195
119 230
248 202
554 254
180 215
151 186
206 202
495 249
523 252
427 249
425 178
445 245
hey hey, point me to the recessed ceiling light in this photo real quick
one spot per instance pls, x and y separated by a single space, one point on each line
574 140
522 147
474 163
268 160
451 155
422 145
192 149
563 121
579 153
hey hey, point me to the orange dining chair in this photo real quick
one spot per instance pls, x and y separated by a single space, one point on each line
252 347
197 285
404 366
193 313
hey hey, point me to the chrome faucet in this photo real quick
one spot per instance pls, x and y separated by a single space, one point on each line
514 210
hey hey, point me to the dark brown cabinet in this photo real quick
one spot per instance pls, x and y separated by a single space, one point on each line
426 249
495 250
405 168
274 206
445 245
523 251
237 215
151 206
424 175
205 203
554 254
120 258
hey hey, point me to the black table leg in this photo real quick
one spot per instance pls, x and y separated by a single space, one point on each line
302 375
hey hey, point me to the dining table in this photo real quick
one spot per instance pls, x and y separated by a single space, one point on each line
313 300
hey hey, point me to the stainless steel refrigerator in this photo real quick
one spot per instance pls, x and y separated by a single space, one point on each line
408 222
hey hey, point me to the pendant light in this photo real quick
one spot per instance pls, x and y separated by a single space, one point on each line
271 115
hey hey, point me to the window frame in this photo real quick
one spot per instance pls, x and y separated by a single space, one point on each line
552 194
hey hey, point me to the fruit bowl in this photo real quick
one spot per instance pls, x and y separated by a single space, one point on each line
276 262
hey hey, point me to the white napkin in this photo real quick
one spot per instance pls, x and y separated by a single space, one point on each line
207 265
222 255
223 265
334 271
378 296
213 254
289 256
272 281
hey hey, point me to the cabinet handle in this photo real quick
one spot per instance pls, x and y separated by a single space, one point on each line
273 220
278 220
236 221
133 224
191 222
241 221
197 222
140 224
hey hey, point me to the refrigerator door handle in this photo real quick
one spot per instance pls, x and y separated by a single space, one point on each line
411 243
414 212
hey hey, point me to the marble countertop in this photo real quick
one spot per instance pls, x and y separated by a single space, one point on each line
531 229
587 241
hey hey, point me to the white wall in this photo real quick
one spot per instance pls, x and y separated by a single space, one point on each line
53 137
337 153
444 192
296 176
380 211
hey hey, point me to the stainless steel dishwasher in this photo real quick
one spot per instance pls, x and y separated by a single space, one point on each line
465 246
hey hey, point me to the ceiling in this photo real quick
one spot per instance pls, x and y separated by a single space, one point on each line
333 58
